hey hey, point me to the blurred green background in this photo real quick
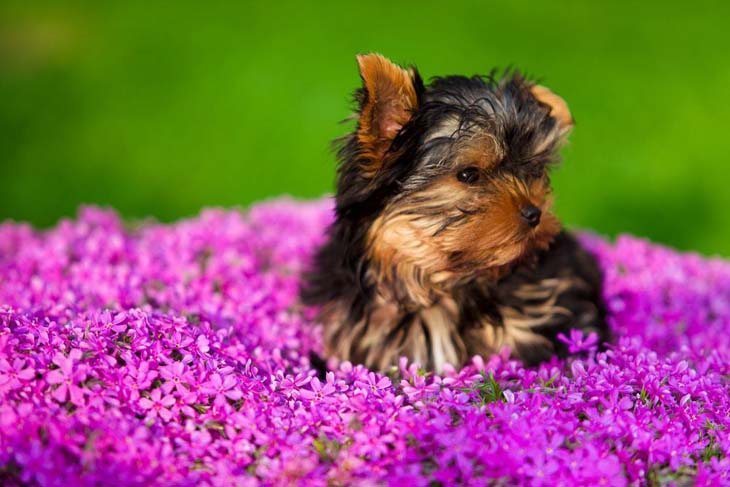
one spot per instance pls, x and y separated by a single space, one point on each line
161 108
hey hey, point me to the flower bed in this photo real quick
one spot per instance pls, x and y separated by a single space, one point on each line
178 354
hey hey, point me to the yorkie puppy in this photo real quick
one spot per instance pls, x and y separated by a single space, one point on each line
444 246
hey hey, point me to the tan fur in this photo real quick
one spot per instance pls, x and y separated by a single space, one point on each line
558 107
426 244
517 327
447 345
381 338
411 249
391 98
410 265
518 324
447 128
482 151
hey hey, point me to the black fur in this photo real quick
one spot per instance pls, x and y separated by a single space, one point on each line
505 108
565 259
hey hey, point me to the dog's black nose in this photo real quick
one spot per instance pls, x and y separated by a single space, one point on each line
531 215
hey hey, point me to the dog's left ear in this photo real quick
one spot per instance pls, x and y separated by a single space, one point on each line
558 108
388 98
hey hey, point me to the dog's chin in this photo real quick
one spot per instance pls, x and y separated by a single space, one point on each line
503 258
490 264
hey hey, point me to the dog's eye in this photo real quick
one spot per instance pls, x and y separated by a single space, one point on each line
468 175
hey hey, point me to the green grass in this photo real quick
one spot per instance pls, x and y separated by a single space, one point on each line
161 108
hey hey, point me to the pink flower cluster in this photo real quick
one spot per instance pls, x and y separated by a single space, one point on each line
179 355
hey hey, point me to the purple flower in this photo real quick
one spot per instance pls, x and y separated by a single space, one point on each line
14 375
67 378
179 355
176 377
158 405
138 377
374 385
579 342
319 391
221 387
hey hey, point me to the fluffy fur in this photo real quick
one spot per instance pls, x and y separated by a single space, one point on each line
444 244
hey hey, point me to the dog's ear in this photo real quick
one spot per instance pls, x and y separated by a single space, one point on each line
558 108
388 98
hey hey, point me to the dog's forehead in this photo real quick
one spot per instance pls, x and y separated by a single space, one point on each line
463 131
476 144
462 110
483 122
445 128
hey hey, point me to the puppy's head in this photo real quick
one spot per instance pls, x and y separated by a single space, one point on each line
450 179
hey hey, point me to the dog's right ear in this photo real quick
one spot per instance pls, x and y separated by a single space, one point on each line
389 96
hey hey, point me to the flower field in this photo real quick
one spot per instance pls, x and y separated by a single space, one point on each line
178 355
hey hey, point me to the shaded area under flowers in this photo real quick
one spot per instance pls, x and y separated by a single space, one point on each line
178 354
